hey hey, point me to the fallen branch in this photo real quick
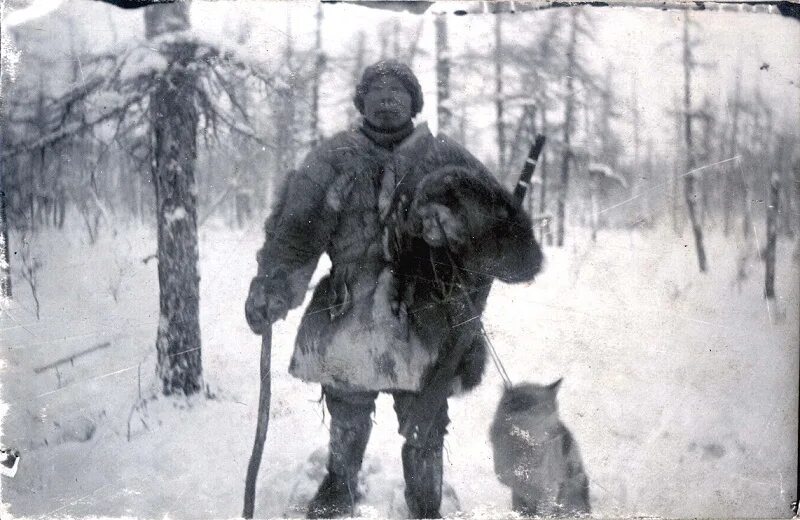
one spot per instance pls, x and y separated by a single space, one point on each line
68 131
72 358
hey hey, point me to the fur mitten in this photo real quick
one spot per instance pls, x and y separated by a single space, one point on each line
267 301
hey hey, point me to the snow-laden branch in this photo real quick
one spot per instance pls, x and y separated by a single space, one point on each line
117 87
71 129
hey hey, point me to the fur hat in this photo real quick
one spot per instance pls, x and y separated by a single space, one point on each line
394 68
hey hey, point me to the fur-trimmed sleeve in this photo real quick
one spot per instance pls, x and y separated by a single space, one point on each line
299 228
500 240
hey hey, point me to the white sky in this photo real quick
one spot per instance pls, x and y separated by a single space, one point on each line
641 44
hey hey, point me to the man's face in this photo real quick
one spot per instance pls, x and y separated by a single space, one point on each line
387 103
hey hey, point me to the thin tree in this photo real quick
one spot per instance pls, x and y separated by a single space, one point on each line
524 135
569 114
538 64
358 66
689 178
498 94
383 39
444 112
544 218
319 67
635 112
677 165
772 236
285 113
396 39
641 173
730 180
175 119
5 257
413 47
610 148
795 167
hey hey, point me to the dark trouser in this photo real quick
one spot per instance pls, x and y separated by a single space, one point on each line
351 424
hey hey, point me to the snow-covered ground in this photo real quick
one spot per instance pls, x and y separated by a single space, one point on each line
681 389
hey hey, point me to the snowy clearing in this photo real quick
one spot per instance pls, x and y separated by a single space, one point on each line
681 389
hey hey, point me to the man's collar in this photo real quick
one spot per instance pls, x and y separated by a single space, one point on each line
419 133
387 139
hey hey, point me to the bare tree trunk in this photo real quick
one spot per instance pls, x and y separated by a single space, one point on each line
569 108
174 140
796 178
689 179
636 182
357 68
383 39
783 163
648 202
530 111
444 113
5 257
727 203
38 175
747 221
772 235
498 92
286 117
543 186
606 115
319 65
413 48
140 199
677 165
396 40
524 136
594 188
704 197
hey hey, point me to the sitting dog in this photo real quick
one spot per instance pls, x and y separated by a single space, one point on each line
536 456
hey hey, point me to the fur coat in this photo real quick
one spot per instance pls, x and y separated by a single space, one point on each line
383 315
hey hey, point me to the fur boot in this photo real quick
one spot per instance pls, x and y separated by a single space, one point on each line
338 492
422 470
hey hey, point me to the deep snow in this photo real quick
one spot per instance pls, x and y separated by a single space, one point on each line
681 389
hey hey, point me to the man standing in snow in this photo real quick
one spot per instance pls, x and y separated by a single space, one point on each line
416 229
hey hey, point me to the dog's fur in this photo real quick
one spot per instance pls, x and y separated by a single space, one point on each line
536 455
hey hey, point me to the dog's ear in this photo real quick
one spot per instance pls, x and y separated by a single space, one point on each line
554 386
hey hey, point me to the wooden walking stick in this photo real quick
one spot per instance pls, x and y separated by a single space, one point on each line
264 396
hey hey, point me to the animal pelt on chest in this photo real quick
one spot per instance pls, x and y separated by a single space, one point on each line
483 243
339 202
536 455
